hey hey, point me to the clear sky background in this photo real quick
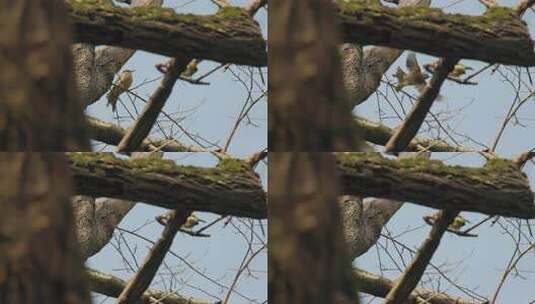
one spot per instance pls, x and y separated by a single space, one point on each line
210 112
475 111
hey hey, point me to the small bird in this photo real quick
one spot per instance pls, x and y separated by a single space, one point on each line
192 221
459 70
121 85
415 77
458 223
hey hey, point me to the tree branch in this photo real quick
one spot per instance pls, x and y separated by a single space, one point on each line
230 36
412 275
498 188
141 281
231 188
498 36
112 134
144 123
112 286
380 286
379 134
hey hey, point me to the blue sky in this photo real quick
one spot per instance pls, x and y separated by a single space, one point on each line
475 111
208 111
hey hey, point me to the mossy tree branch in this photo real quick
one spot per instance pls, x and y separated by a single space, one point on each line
498 188
230 36
498 36
228 189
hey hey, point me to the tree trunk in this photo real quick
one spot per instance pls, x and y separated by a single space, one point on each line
39 260
39 108
307 257
308 110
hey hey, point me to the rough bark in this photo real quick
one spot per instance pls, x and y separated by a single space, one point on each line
307 260
498 36
230 36
34 196
498 188
308 109
39 109
231 188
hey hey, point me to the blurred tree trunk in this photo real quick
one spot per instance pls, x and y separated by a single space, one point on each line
307 255
39 110
39 260
308 109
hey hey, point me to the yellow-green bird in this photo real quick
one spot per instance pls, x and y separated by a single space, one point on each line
121 85
459 70
192 221
458 223
414 77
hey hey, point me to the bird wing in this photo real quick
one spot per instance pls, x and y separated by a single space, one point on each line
399 74
412 64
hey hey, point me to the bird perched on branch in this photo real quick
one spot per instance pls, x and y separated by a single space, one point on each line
192 221
456 225
121 85
459 70
414 77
